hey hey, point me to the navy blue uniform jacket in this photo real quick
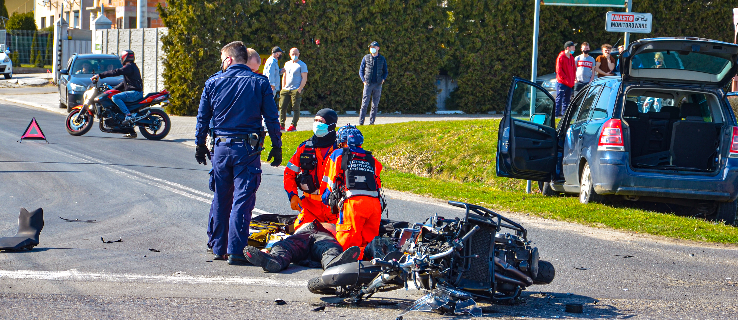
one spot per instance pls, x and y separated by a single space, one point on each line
237 100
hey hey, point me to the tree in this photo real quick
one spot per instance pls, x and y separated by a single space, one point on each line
21 21
3 9
32 57
38 62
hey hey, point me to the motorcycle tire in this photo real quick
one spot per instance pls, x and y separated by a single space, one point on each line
149 133
546 273
83 124
317 286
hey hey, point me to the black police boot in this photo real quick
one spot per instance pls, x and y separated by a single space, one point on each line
264 260
351 254
237 260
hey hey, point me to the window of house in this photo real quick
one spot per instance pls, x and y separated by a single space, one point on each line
132 22
76 19
119 23
43 22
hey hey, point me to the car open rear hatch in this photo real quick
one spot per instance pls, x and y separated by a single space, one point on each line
680 60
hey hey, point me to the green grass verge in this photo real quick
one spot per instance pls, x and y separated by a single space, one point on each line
455 160
34 66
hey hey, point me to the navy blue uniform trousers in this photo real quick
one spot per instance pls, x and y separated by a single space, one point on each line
236 177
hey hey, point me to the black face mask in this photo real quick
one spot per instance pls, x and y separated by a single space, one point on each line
586 51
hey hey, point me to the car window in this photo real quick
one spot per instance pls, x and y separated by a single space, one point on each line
587 104
600 110
94 66
522 104
69 63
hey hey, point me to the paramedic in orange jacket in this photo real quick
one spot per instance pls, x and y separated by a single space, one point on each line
352 177
304 171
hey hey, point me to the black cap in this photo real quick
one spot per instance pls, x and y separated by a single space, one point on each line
329 115
374 44
276 49
570 44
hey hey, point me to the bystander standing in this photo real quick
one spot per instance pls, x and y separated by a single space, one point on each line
585 65
373 72
565 77
293 83
605 64
272 70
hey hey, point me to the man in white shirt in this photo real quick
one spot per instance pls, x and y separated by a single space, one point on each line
293 82
585 65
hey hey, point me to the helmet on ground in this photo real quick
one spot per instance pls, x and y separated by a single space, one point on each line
127 56
349 134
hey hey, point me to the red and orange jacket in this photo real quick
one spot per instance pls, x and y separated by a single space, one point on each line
334 175
293 168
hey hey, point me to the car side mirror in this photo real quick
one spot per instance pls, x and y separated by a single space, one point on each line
64 71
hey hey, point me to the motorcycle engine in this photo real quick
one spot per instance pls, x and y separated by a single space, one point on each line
518 253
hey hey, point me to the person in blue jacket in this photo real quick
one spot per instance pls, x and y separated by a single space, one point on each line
373 72
237 100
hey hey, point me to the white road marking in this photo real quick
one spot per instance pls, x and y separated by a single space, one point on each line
75 275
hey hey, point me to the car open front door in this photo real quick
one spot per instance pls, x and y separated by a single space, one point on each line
527 147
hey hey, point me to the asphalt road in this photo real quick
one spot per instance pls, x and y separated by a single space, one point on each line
153 195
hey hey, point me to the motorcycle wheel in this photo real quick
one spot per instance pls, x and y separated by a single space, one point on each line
317 286
79 126
157 132
546 273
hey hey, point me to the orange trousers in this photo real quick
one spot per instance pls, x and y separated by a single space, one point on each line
314 210
359 222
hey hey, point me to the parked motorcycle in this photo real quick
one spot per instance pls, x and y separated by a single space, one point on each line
483 255
148 115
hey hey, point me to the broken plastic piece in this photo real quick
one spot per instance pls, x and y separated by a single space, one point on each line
77 220
29 229
446 300
321 308
154 250
111 241
280 302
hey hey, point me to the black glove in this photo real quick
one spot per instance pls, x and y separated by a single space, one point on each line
275 153
201 151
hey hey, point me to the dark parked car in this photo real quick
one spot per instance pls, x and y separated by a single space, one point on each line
73 80
662 131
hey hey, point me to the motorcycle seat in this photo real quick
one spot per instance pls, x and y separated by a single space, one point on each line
142 99
29 229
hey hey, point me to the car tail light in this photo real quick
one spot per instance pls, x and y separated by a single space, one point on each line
611 136
734 150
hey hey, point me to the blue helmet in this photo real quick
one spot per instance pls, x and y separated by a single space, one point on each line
349 134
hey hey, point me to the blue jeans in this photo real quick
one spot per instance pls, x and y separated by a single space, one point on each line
236 177
564 94
126 96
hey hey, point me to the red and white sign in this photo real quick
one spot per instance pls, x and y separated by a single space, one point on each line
633 22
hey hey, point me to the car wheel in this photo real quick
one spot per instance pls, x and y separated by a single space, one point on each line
727 212
546 189
587 193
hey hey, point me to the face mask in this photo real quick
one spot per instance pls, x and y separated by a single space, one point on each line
320 129
572 52
373 50
295 58
586 51
657 63
222 63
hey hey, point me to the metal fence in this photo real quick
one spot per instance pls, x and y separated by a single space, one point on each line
29 47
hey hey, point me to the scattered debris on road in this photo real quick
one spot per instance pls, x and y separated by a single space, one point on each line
78 220
111 241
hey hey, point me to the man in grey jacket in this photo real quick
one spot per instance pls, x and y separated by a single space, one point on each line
373 72
272 70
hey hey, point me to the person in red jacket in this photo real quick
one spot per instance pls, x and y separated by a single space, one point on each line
353 188
304 171
565 77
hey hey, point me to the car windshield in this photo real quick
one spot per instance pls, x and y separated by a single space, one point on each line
94 66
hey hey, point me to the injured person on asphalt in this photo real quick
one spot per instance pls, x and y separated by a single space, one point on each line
312 245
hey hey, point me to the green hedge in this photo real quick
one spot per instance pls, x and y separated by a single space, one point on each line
480 43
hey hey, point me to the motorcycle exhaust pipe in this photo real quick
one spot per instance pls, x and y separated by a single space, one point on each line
507 267
500 277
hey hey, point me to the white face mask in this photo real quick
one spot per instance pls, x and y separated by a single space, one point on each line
373 50
295 58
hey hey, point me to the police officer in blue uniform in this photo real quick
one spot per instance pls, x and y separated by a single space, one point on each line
236 100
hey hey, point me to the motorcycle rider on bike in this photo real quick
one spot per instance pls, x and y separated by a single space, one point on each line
131 88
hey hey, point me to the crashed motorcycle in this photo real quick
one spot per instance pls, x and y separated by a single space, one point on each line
482 256
148 115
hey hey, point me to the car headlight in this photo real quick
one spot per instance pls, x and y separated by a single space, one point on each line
6 60
549 84
76 87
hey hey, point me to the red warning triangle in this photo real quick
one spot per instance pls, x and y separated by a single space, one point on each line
33 132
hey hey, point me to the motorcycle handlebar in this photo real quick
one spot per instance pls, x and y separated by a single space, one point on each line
383 263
